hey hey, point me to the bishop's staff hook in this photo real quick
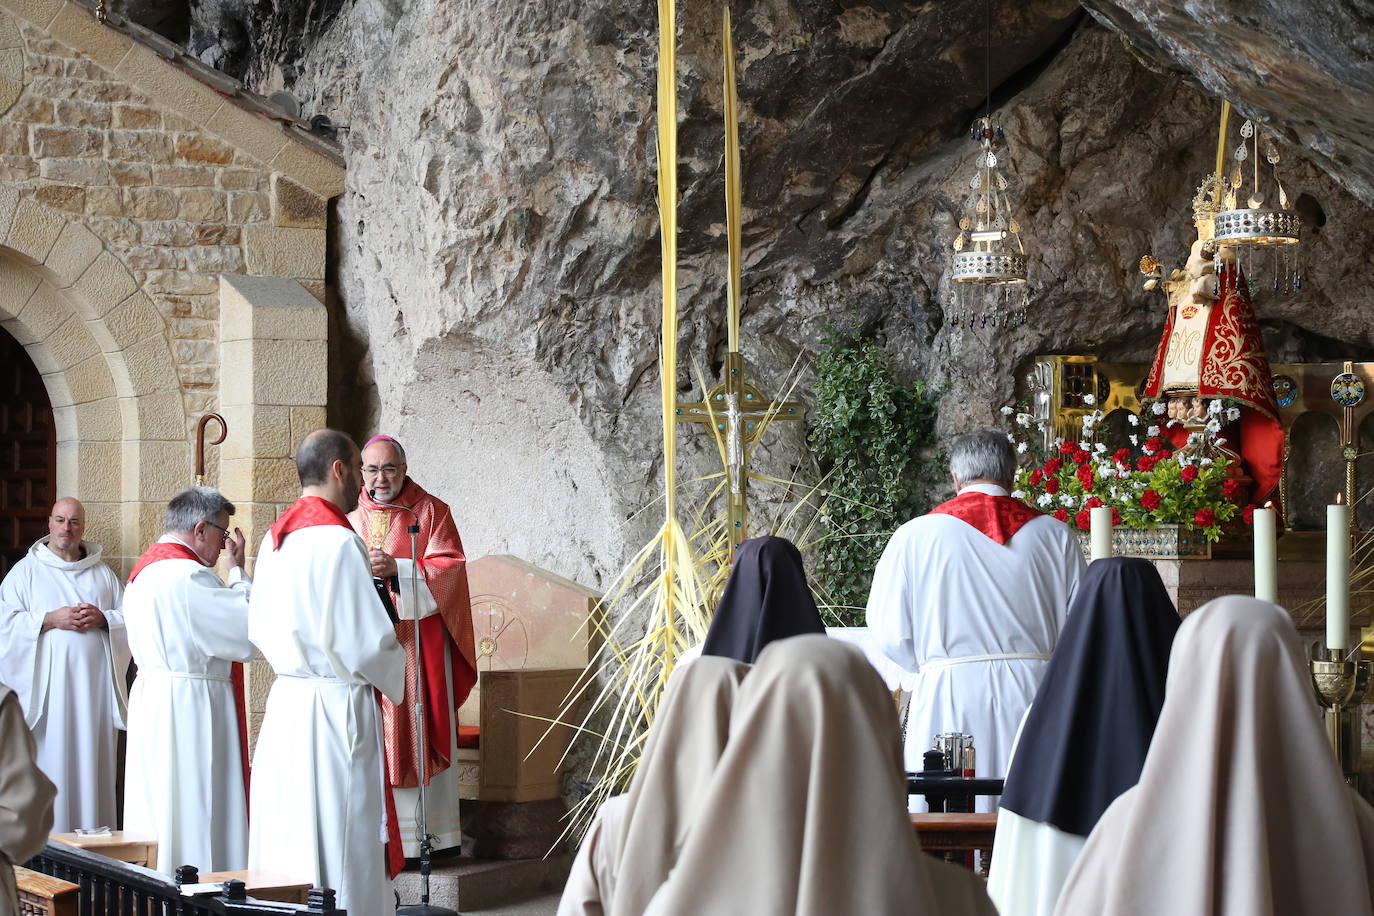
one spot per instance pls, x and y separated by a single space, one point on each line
200 442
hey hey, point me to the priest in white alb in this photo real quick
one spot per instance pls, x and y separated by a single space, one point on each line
63 652
186 628
318 812
972 596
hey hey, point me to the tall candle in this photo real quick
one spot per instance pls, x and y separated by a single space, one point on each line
1100 526
1266 555
1338 576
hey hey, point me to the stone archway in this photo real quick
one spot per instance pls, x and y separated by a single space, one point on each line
101 347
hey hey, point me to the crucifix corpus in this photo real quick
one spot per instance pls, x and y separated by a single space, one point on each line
200 442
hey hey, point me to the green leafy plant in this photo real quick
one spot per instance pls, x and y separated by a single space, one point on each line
875 437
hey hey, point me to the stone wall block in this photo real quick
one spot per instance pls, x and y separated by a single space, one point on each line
9 201
241 180
14 139
16 329
134 319
154 416
32 110
257 431
137 117
260 480
77 27
105 284
236 373
215 259
275 252
10 36
290 372
147 362
249 207
134 145
10 90
252 134
310 169
158 79
202 206
269 308
59 392
90 380
183 176
67 143
85 172
17 169
34 230
304 420
295 207
45 311
64 423
202 150
152 203
98 421
72 342
73 113
89 468
66 198
167 233
130 174
76 247
102 527
38 12
157 470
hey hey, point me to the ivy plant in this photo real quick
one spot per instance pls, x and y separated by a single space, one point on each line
875 437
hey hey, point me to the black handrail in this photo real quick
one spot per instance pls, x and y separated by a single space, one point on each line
113 888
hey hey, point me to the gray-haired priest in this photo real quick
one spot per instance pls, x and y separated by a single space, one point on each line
184 778
973 596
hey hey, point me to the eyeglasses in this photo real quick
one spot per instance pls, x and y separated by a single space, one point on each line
386 470
225 530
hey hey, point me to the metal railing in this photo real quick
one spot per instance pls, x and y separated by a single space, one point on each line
113 888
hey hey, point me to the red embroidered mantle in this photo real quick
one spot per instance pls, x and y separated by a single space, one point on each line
998 517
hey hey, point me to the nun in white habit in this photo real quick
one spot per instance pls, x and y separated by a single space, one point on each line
634 840
1085 737
1240 809
806 812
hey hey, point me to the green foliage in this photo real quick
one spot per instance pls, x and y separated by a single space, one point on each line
875 437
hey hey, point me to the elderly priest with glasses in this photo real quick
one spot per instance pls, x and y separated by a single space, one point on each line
972 596
442 606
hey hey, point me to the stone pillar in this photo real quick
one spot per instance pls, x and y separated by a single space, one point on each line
273 383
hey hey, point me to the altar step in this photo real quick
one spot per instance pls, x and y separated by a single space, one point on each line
466 884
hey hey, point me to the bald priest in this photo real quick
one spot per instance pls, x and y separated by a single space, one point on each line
973 596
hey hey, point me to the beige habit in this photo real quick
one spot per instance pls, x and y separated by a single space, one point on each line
806 812
26 797
1240 809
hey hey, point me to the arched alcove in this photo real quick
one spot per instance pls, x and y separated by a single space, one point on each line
1315 470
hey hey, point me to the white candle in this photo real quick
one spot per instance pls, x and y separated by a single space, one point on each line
1338 576
1266 555
1100 526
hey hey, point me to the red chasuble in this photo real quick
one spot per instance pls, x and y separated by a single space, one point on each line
307 512
1233 365
171 550
443 568
998 517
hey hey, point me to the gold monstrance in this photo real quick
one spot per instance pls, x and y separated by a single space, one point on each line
738 410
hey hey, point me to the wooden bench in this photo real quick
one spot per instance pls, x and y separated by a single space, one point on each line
943 834
43 895
118 844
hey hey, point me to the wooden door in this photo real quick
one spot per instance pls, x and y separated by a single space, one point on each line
28 453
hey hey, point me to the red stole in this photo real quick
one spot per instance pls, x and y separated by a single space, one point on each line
308 512
442 567
998 517
171 550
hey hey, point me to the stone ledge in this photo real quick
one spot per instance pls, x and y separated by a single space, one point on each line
269 308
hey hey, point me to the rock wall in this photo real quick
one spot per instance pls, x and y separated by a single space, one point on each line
498 252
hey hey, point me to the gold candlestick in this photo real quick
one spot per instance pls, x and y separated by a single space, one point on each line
1340 686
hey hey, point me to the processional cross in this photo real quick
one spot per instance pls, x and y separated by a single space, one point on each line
735 406
200 442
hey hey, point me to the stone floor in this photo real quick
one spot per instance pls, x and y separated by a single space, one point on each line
545 905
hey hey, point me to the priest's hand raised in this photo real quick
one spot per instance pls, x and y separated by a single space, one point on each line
235 547
383 564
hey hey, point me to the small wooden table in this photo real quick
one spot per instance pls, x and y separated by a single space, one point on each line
40 893
263 885
119 845
942 833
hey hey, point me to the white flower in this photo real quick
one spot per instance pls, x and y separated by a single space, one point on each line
1152 431
1024 419
1213 426
1205 462
1018 494
1021 448
1007 411
1040 424
1100 447
1044 500
1067 500
1089 400
1158 407
1221 440
1194 438
1214 407
1135 440
1106 471
1133 419
1011 438
1233 415
1088 421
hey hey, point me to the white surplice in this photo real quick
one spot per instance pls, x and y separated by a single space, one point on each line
1040 858
977 620
70 684
185 630
316 810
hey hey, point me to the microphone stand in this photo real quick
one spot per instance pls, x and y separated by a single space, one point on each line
423 908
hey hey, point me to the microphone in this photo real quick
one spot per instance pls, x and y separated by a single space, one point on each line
382 586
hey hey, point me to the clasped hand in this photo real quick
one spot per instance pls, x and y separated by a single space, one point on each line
80 618
383 563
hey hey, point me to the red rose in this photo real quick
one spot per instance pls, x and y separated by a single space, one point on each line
1165 455
1052 486
1205 518
1230 488
1052 466
1083 520
1085 476
1081 457
1122 456
1150 500
1116 516
1061 514
1068 448
1248 514
1146 463
1092 503
1154 444
1036 476
1189 473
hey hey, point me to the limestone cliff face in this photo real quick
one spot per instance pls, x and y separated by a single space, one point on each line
498 251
